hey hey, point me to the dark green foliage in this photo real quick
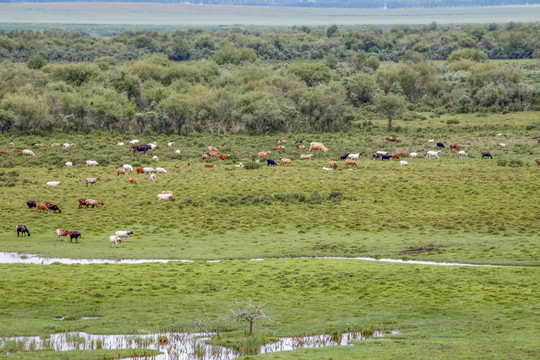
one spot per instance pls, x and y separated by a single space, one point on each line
36 62
257 81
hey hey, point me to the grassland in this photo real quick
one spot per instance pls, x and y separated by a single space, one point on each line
469 210
186 15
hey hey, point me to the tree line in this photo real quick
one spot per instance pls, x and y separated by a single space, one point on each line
221 81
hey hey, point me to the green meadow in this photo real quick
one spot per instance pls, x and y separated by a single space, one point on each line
446 210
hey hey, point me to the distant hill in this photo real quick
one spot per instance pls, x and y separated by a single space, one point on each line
390 4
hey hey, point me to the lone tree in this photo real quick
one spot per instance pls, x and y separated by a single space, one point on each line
250 314
391 106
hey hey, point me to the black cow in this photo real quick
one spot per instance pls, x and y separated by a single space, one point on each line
31 204
344 156
270 162
54 208
386 157
143 148
22 229
74 235
486 154
440 145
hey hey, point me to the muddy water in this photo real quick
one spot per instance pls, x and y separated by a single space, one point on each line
174 346
16 258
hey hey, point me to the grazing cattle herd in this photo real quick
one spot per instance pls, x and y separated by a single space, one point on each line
351 160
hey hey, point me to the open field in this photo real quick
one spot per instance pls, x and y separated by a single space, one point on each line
186 15
464 210
469 210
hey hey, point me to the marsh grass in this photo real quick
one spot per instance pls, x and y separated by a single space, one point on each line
463 307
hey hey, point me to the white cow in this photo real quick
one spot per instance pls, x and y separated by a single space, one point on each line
53 184
155 158
403 163
153 177
69 164
177 151
135 141
171 144
115 240
120 144
91 163
161 170
462 154
354 156
28 152
413 155
148 170
128 167
433 154
164 196
124 234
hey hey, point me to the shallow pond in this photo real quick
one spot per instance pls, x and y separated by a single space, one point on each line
174 346
16 258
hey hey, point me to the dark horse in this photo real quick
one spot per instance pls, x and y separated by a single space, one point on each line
22 229
486 154
143 148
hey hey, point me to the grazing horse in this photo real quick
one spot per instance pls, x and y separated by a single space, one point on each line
22 229
143 148
74 235
486 154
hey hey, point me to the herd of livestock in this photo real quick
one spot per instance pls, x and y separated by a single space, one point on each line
350 159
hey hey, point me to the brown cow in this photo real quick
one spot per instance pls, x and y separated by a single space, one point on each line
391 138
282 142
17 151
209 165
3 152
537 161
279 147
305 157
264 154
300 147
455 146
396 157
317 146
139 170
133 180
92 203
400 152
224 156
43 206
82 202
91 181
121 171
205 156
286 161
351 163
333 164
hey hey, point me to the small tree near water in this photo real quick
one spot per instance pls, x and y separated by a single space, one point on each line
249 314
